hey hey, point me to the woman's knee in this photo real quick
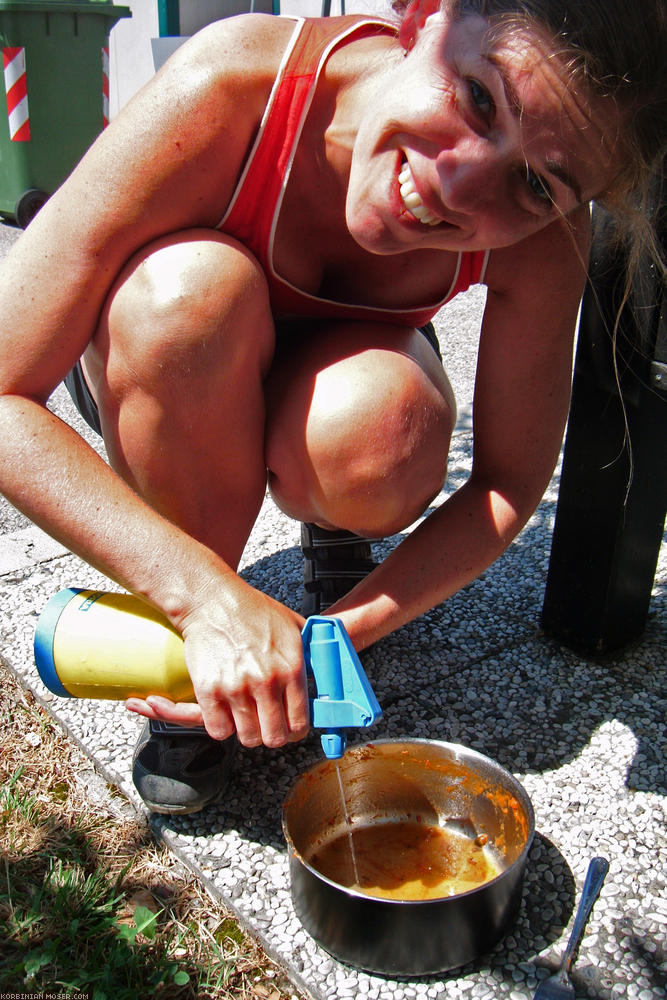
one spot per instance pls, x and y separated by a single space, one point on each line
190 305
362 438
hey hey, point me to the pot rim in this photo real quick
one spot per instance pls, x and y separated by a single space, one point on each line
516 788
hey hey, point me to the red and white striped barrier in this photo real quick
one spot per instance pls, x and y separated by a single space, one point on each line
105 86
16 88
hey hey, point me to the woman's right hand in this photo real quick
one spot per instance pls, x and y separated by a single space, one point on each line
245 657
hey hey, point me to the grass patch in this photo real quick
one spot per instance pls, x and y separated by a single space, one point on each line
90 903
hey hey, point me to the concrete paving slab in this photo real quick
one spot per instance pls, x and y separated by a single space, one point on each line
22 549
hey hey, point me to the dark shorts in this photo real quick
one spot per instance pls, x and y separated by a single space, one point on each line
78 389
429 332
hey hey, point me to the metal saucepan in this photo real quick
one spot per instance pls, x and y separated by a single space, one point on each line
428 822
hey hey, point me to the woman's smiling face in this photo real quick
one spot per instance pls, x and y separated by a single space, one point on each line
477 143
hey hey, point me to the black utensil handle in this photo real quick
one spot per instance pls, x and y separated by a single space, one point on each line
595 876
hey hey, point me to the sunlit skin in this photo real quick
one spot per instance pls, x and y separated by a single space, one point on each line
205 400
482 165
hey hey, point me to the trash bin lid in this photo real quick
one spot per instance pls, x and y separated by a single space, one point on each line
103 7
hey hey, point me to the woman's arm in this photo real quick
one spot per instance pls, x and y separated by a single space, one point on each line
520 407
169 162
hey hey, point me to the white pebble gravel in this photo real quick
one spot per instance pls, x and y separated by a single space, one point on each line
586 739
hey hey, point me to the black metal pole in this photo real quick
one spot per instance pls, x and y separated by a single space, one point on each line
613 495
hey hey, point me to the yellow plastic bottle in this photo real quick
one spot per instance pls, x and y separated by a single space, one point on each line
95 644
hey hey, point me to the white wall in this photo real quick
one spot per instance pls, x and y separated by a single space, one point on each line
131 62
131 52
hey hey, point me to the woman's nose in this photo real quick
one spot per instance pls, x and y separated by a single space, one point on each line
471 176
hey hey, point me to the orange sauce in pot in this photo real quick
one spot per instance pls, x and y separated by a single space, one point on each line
407 860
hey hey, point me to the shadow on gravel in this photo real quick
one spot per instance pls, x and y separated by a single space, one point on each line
478 670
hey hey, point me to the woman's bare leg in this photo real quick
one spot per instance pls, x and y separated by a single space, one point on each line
177 367
359 424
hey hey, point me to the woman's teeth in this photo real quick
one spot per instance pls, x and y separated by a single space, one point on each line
412 200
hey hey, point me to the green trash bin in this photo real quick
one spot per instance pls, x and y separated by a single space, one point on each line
55 56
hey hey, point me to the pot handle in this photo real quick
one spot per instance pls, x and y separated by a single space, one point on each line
345 698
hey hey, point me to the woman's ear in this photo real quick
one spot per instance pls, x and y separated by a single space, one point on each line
414 18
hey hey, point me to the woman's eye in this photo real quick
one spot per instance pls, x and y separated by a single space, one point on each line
538 186
481 98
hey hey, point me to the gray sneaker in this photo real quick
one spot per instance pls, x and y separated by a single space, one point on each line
179 770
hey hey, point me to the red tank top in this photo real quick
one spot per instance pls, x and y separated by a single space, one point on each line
253 211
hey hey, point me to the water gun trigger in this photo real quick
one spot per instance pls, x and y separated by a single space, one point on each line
345 698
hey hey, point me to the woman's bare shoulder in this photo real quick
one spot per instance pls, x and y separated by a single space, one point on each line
246 48
196 119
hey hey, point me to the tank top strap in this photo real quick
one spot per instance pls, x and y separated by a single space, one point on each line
267 168
472 269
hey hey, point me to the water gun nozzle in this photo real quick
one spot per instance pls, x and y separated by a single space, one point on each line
345 698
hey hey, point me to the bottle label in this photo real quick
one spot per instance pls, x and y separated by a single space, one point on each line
89 601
